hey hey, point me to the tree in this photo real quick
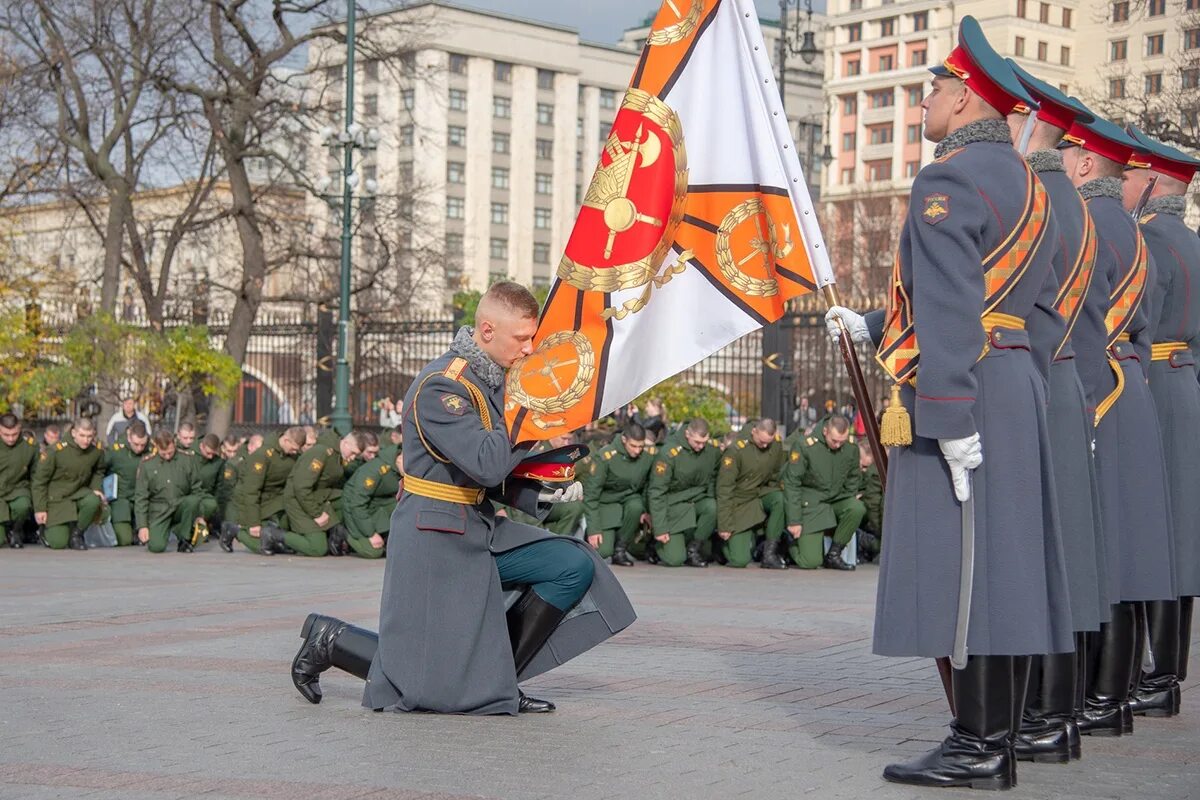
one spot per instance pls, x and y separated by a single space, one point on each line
685 401
188 365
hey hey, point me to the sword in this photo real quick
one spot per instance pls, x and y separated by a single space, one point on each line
966 578
1145 198
1026 133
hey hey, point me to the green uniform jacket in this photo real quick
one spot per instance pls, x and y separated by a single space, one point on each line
119 460
258 493
16 467
229 477
611 478
680 477
210 471
317 477
747 474
372 487
872 497
816 476
162 486
62 475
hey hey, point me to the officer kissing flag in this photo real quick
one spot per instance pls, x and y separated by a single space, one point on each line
696 229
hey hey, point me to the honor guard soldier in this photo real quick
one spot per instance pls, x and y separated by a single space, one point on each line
257 500
870 530
66 487
312 497
969 512
122 461
368 500
18 455
749 496
682 496
1049 728
1174 311
614 494
444 644
169 498
1113 348
820 487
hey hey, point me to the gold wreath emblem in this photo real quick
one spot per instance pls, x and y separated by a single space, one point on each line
764 245
678 31
539 363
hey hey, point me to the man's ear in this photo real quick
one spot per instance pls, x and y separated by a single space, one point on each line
486 330
964 96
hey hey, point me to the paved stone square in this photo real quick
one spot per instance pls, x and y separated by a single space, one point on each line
127 675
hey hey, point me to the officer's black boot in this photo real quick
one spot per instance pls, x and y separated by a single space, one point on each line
227 535
833 559
1185 636
1045 734
978 752
185 546
694 559
12 532
329 642
1157 693
1020 683
270 539
1081 686
621 557
530 622
338 540
868 545
652 552
1110 665
1139 656
770 555
76 541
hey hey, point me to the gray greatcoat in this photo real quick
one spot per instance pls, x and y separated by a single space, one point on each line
1174 309
1070 422
443 638
1019 601
1129 459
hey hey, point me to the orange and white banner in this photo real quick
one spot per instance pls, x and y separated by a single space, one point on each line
696 229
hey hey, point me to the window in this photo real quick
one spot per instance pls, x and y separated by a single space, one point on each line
856 5
1044 13
1191 38
854 32
502 72
915 95
911 168
1118 50
541 253
456 172
887 26
605 129
456 208
848 142
545 114
545 148
499 214
1191 119
1190 78
608 98
1019 46
458 100
406 135
1043 51
1192 5
543 183
917 58
879 170
499 177
1156 8
1153 83
1066 18
854 67
407 99
1154 44
887 63
456 136
1021 9
913 133
333 75
501 107
1120 11
578 127
454 244
847 175
1064 56
458 64
920 21
1116 88
882 98
545 79
371 71
881 134
849 105
500 143
541 218
498 248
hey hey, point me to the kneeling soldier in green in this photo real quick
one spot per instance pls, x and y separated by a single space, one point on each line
368 500
682 496
66 487
256 504
312 497
614 501
122 460
169 498
820 486
748 495
18 454
870 533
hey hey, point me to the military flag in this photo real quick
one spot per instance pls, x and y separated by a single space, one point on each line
696 229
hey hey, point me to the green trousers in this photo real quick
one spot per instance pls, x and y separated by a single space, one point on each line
251 542
87 511
180 521
361 547
124 532
563 518
739 549
305 536
674 552
631 513
808 552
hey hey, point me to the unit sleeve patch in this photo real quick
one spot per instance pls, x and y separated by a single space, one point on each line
454 404
937 208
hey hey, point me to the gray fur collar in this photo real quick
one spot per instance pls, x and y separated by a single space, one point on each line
1175 205
981 130
480 362
1101 187
1045 161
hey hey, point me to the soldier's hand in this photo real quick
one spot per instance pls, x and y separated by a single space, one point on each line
962 455
321 520
856 324
41 517
143 535
725 535
255 531
663 539
595 540
796 530
376 541
644 519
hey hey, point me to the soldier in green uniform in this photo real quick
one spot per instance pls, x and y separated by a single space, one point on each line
682 496
66 487
870 532
368 500
210 464
233 452
614 486
820 487
185 438
18 454
312 496
122 460
392 444
748 495
257 501
169 498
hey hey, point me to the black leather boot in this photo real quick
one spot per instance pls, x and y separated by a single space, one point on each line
270 539
530 622
833 559
621 557
694 559
770 556
868 546
1185 636
185 546
1020 682
1110 664
12 532
977 753
76 541
329 642
338 540
1081 685
229 531
1157 692
1045 734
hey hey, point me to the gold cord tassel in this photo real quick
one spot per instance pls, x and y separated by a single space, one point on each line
895 429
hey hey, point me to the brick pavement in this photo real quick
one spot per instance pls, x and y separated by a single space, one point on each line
126 675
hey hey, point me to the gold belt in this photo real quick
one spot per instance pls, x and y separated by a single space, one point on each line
1123 337
443 491
1164 350
995 319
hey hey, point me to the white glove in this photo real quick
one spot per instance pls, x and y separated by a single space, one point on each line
855 323
572 494
963 455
